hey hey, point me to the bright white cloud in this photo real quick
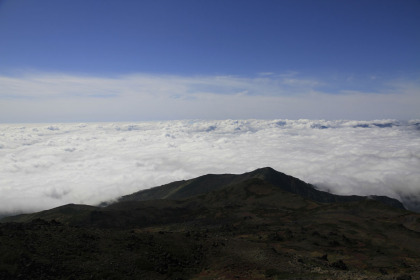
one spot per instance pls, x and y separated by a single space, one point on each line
46 165
47 97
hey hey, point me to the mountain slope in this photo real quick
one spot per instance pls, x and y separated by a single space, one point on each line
165 203
253 226
206 183
248 230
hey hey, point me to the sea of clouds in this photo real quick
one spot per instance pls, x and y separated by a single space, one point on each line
47 165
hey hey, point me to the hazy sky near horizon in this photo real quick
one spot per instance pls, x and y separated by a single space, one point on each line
71 61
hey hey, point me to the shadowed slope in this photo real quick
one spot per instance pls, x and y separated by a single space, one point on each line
253 226
206 183
175 201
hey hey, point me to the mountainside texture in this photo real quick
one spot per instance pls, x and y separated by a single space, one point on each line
207 183
258 225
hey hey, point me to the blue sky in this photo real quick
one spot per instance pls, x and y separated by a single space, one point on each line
216 59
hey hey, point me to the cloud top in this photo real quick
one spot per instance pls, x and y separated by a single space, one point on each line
47 165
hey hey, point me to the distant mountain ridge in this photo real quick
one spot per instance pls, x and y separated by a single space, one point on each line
211 182
193 194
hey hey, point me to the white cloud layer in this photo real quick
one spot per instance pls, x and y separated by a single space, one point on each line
69 98
47 165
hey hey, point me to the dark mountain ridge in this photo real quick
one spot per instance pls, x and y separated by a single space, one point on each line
159 204
258 225
203 184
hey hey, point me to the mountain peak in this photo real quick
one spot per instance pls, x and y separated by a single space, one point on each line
265 171
184 229
212 182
